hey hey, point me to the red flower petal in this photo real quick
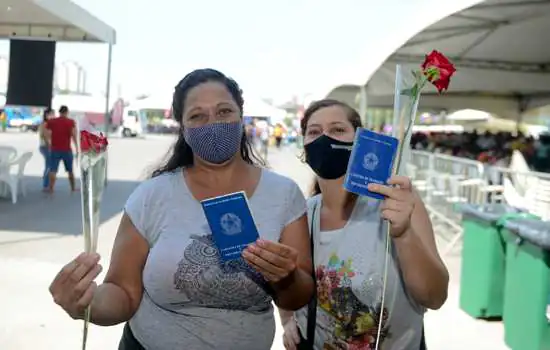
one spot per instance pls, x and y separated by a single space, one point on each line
444 67
93 142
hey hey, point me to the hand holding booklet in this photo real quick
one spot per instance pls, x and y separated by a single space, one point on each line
231 222
371 161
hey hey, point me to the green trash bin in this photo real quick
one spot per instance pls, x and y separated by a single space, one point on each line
527 285
483 255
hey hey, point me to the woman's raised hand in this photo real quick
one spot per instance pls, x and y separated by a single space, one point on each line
73 288
398 205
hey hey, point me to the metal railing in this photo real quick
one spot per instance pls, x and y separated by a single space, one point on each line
445 182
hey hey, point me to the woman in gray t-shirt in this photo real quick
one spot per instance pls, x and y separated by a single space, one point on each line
357 306
165 275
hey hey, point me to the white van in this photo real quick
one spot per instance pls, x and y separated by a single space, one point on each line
134 123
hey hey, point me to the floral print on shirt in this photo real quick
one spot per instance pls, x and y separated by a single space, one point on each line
355 325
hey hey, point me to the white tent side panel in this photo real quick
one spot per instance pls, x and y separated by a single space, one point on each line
259 108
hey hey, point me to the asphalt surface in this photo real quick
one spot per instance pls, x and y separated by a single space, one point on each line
40 233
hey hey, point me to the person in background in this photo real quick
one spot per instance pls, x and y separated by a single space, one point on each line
529 149
165 278
44 136
278 134
264 140
63 131
518 142
541 159
251 132
348 235
3 120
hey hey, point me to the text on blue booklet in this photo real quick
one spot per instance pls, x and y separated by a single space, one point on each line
371 161
231 223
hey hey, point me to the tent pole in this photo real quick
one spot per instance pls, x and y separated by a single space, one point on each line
106 118
363 106
523 103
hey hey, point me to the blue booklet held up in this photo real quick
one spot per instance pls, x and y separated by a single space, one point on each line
371 161
231 223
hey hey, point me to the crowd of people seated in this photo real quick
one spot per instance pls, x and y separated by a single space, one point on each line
488 148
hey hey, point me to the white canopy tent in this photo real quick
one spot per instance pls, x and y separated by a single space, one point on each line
160 102
468 115
79 103
501 52
256 107
55 20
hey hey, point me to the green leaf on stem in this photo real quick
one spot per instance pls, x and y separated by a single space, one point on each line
407 92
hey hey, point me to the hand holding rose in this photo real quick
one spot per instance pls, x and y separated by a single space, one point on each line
398 206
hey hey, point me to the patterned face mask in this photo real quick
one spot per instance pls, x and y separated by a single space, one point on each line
215 143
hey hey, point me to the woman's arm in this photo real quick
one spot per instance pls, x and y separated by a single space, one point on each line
74 137
47 134
296 290
117 299
44 133
285 315
424 273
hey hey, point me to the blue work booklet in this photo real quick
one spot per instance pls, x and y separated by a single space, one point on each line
231 223
371 161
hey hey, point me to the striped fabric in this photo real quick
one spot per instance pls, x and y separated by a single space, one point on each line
215 143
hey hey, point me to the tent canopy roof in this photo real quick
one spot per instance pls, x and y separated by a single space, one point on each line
501 51
59 20
154 102
79 103
256 107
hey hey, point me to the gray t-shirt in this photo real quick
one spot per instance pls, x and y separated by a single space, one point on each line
190 300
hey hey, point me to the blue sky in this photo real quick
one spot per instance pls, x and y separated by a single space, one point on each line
272 48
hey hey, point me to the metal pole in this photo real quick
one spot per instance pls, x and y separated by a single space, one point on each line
363 106
106 121
108 90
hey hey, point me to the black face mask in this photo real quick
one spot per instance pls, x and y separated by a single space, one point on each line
328 157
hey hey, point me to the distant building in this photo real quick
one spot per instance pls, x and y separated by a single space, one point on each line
4 72
69 76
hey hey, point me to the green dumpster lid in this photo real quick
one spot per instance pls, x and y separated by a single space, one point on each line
488 212
532 230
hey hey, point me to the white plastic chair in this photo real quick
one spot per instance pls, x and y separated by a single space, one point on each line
15 180
7 154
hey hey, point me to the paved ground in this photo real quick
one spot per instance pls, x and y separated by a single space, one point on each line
37 236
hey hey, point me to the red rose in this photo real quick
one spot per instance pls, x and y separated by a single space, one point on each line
92 142
84 142
438 69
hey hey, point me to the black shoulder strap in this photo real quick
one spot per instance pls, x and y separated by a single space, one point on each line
312 306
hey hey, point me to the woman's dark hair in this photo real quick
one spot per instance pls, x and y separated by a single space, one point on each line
353 117
181 155
47 111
